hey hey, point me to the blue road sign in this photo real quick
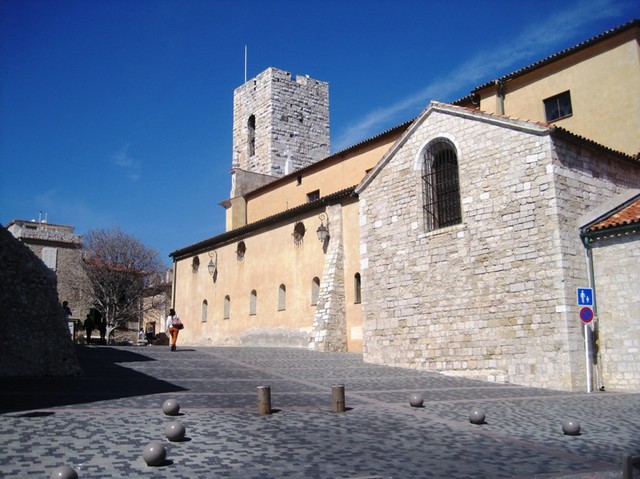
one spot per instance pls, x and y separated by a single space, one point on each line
585 296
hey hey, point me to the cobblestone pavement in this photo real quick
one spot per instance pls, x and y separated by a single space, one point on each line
100 423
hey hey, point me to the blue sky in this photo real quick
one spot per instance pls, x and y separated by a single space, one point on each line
119 112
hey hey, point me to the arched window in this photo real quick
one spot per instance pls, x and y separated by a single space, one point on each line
205 310
315 290
251 135
357 288
227 307
253 302
195 264
441 185
282 298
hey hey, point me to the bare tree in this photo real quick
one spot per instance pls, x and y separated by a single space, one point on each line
121 272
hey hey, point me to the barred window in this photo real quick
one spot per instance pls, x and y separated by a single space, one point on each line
441 186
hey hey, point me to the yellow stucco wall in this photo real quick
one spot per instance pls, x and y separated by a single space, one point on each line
272 258
328 177
614 62
351 232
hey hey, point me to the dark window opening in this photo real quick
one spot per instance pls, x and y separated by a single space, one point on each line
558 106
441 186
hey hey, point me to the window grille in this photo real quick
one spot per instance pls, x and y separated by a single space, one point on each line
441 186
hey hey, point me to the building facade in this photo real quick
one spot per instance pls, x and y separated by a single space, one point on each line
60 249
449 243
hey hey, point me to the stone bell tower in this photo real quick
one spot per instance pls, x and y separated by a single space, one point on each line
280 125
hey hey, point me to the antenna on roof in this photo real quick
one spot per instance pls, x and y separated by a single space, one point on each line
245 64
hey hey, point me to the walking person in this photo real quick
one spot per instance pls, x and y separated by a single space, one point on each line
174 325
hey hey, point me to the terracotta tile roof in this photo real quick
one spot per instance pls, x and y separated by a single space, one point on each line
251 228
627 215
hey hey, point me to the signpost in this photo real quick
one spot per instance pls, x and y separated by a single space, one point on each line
584 298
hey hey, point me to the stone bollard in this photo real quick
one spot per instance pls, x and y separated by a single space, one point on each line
264 400
337 397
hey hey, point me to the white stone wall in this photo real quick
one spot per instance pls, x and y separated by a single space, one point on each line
292 122
616 263
492 297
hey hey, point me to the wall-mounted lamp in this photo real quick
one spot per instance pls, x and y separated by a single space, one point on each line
212 262
323 231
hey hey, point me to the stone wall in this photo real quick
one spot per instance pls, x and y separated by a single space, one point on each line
329 330
35 340
492 297
291 122
616 262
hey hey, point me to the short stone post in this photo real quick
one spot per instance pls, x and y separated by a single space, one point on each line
337 397
264 400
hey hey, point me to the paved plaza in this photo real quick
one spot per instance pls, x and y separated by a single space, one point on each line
100 423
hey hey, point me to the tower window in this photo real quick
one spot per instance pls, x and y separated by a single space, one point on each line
558 106
251 135
357 288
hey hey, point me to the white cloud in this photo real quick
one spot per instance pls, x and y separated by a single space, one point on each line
131 166
536 39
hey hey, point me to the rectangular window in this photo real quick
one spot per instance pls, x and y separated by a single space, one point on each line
558 106
313 196
50 257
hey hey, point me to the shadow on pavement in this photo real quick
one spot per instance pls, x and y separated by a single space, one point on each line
103 379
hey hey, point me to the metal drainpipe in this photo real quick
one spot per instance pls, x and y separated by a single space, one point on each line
500 92
588 337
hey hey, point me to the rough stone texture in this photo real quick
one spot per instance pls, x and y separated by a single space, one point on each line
617 270
492 297
291 123
329 330
35 339
70 276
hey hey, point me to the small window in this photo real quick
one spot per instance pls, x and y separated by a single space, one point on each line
357 288
251 135
315 290
253 303
282 298
227 307
313 196
558 106
299 180
50 257
195 264
205 311
241 250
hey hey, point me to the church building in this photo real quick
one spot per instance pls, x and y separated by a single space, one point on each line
455 242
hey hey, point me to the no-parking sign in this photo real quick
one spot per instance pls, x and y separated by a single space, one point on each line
586 314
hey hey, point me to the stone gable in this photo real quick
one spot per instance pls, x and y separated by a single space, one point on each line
491 297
